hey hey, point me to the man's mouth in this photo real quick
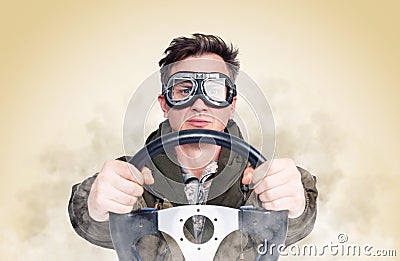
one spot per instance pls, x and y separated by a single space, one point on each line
198 122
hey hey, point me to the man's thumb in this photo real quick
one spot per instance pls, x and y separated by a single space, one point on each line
247 175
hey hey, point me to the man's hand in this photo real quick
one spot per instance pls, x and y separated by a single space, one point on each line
280 188
116 189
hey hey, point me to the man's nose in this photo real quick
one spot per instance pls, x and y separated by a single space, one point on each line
199 105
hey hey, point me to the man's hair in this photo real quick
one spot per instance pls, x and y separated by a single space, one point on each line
198 44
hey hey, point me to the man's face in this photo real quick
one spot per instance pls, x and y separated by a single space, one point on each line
199 115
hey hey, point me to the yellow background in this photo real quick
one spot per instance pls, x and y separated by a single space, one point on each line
330 70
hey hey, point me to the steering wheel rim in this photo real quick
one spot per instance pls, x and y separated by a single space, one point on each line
183 137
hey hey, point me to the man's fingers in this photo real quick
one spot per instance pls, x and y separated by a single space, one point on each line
124 169
269 182
247 175
270 168
286 203
123 198
147 176
132 188
277 165
136 175
264 170
275 193
251 175
118 208
260 172
279 204
124 185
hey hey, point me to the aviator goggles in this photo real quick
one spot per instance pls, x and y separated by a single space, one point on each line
184 88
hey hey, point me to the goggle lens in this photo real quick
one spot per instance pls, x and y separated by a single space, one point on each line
181 89
215 89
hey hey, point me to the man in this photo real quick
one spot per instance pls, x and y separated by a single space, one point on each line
198 93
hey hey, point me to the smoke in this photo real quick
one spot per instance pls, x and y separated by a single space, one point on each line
306 132
40 227
356 186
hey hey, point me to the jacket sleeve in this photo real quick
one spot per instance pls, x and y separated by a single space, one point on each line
301 226
95 232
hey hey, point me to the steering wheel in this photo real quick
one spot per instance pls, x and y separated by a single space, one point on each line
127 229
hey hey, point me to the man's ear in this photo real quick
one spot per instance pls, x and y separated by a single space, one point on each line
164 107
233 108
